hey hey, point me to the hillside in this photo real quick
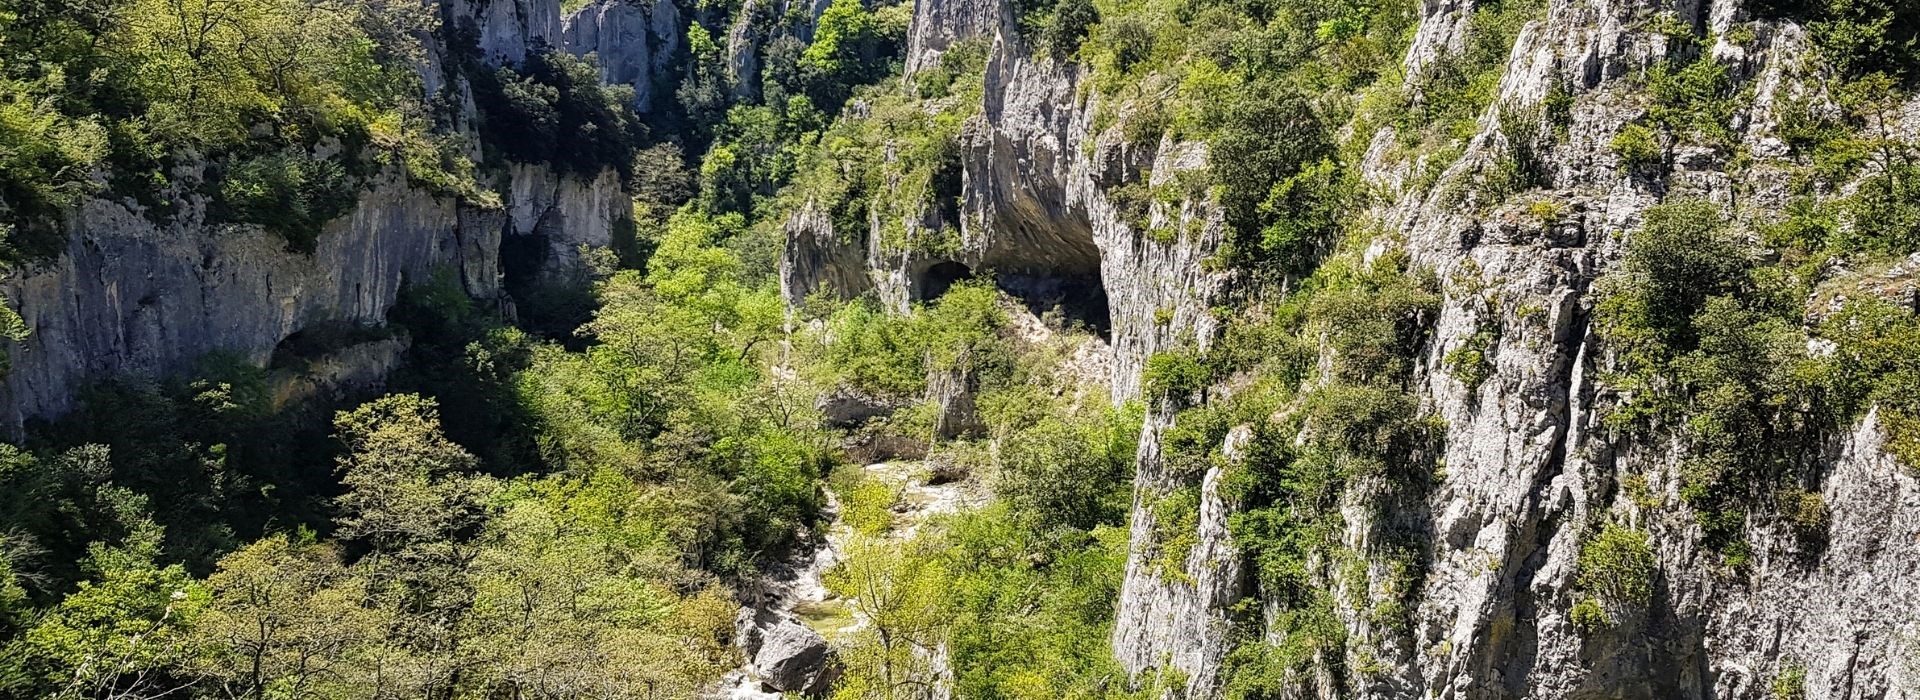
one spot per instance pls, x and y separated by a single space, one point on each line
960 349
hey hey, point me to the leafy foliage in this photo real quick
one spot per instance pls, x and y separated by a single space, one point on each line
1617 566
125 85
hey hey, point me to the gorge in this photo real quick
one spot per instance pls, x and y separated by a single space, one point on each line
961 349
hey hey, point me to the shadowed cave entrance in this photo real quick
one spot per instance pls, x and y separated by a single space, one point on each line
1076 297
935 282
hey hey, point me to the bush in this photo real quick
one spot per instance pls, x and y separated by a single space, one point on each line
1695 99
1067 27
1588 615
1858 36
1790 682
1638 147
287 192
1173 375
555 110
866 503
1617 565
1276 185
1806 511
1469 363
1682 255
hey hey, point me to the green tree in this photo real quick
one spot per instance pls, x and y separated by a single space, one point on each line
120 632
287 620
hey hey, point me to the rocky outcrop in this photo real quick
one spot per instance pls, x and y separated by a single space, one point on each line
129 296
744 40
563 214
818 259
1036 202
132 296
938 25
1175 616
633 41
1530 466
505 31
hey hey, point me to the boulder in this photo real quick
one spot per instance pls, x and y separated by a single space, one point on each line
792 658
846 407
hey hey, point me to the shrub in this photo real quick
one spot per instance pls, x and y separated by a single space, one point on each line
1790 682
1858 36
1589 617
1469 363
1806 511
556 110
1637 146
1617 565
1682 255
1173 375
288 193
1276 184
1695 100
866 503
1067 28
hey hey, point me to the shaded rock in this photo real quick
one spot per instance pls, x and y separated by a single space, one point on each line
847 407
939 25
632 40
129 296
792 658
817 259
952 395
743 49
878 443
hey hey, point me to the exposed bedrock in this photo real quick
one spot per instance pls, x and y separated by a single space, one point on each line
129 296
1530 467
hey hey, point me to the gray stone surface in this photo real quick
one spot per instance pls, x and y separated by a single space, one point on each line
792 657
1530 467
633 41
129 296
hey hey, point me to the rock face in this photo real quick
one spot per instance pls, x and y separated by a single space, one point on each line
938 25
506 30
819 259
1530 466
132 297
633 40
129 296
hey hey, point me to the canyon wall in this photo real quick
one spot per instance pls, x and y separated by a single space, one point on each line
1530 467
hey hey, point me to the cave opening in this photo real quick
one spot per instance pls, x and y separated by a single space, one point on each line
941 277
1071 300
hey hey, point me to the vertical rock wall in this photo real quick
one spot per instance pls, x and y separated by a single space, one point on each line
1530 466
133 297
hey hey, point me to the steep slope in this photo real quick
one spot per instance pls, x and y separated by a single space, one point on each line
1532 467
140 293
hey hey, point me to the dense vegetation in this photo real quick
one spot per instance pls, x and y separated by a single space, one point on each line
566 509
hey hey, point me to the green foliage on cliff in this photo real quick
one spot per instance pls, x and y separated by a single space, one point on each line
1318 430
1617 567
1266 87
554 109
1858 37
122 88
1711 346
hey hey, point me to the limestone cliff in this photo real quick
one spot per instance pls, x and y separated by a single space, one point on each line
1530 467
130 296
